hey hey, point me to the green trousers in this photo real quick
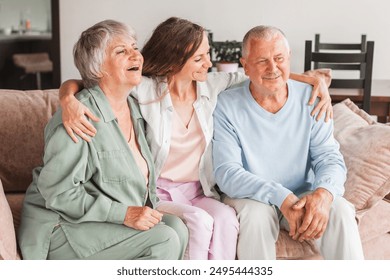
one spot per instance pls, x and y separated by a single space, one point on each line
165 241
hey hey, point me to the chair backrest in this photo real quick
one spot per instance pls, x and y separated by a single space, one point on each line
320 46
345 60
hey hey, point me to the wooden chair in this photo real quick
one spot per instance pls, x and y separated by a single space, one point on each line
356 57
318 46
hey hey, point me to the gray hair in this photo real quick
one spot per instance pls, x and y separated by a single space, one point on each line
264 32
90 50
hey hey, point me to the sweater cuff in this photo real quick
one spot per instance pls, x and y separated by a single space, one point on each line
278 198
329 185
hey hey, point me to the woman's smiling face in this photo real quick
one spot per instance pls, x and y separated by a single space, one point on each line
123 62
197 66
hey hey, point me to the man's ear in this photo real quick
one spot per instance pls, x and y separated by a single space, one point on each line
243 63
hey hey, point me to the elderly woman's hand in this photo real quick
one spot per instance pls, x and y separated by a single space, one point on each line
142 218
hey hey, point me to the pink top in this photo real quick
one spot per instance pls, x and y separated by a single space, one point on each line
187 147
139 159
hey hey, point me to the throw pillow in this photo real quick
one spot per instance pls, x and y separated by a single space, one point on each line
365 145
7 231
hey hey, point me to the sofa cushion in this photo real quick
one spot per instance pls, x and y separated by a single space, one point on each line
375 222
365 145
23 116
7 232
377 248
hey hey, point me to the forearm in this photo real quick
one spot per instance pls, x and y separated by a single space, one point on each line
323 74
314 77
69 88
312 80
235 78
327 161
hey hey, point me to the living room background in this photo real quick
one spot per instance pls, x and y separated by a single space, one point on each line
335 20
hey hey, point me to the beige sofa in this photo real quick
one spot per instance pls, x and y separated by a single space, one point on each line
364 144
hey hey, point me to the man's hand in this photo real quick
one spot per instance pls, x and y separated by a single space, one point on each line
293 216
317 206
142 218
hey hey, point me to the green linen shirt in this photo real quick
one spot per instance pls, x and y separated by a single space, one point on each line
86 187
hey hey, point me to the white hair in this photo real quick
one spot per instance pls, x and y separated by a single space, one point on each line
90 50
264 32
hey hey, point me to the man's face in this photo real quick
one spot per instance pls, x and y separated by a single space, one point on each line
267 63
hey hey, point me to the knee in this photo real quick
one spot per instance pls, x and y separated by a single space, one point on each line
226 216
258 213
178 226
342 210
199 220
171 243
257 219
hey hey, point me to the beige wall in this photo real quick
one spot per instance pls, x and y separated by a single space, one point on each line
336 20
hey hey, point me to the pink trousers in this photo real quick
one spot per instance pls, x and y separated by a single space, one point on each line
212 225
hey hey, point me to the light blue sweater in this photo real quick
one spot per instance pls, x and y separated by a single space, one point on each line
266 156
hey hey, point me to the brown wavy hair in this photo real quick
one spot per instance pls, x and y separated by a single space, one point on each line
172 43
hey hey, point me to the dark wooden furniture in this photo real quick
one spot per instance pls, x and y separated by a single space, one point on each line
321 46
380 98
22 44
31 43
345 57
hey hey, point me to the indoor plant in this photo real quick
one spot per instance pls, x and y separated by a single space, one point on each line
227 55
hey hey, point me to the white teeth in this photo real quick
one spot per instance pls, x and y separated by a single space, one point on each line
133 68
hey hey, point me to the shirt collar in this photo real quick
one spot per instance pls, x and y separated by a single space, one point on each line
166 101
105 108
201 91
134 108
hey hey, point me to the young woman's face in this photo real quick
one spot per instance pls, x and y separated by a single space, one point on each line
123 62
198 64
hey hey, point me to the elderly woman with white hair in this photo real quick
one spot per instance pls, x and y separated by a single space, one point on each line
95 200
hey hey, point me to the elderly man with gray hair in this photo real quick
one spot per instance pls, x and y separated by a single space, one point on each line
278 166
